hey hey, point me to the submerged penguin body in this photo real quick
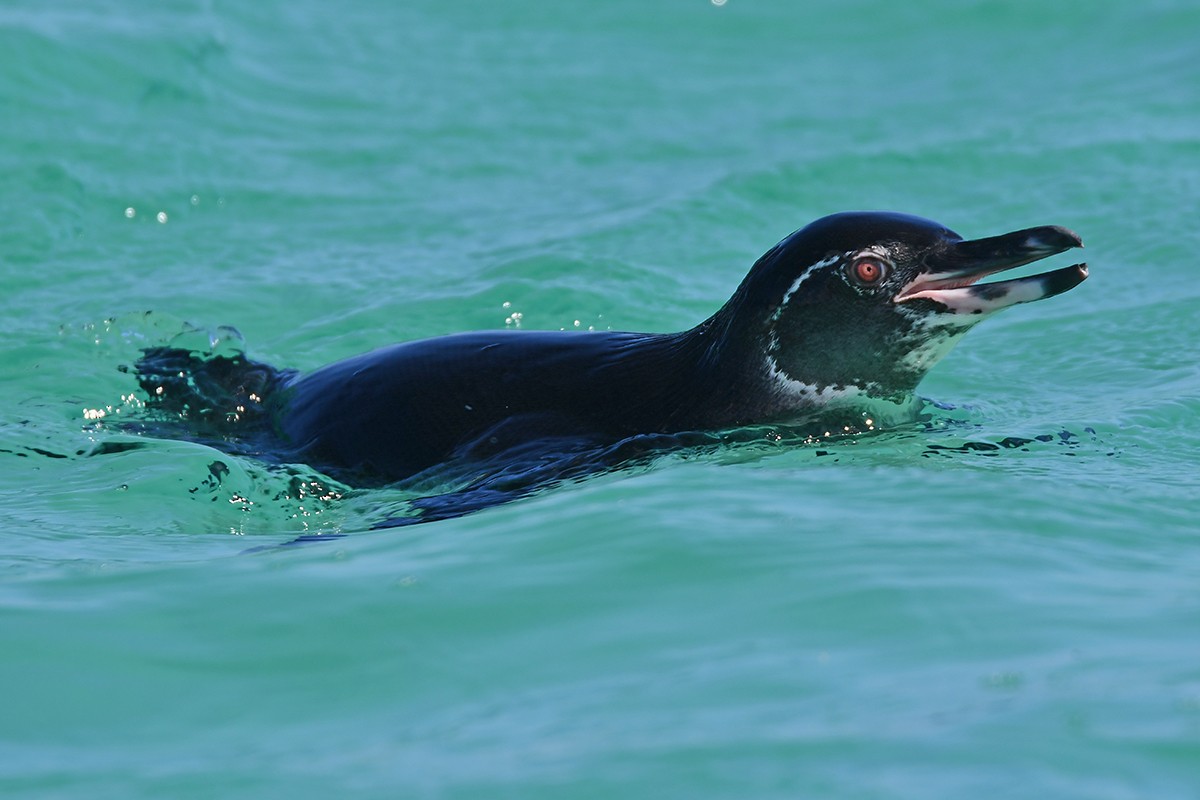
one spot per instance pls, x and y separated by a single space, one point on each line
404 408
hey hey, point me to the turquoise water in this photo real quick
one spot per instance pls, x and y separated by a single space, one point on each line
910 614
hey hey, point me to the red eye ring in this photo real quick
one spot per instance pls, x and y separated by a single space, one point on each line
868 271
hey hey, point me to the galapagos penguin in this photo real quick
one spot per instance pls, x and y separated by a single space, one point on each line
844 316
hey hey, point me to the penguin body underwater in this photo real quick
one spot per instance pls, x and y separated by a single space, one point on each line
845 315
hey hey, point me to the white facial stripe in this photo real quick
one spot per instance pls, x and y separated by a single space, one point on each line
796 283
874 411
812 395
786 385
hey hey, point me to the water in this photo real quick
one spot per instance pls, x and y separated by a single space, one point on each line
905 615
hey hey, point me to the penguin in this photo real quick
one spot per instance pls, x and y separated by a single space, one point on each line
840 320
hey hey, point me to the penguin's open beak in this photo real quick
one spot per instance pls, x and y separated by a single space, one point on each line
951 275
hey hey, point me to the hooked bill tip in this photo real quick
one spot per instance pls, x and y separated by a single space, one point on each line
1053 237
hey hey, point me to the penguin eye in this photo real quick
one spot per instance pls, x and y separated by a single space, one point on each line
868 271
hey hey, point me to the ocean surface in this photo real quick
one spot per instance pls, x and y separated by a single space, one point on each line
1001 600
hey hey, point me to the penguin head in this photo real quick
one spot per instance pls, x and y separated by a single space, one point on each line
865 303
